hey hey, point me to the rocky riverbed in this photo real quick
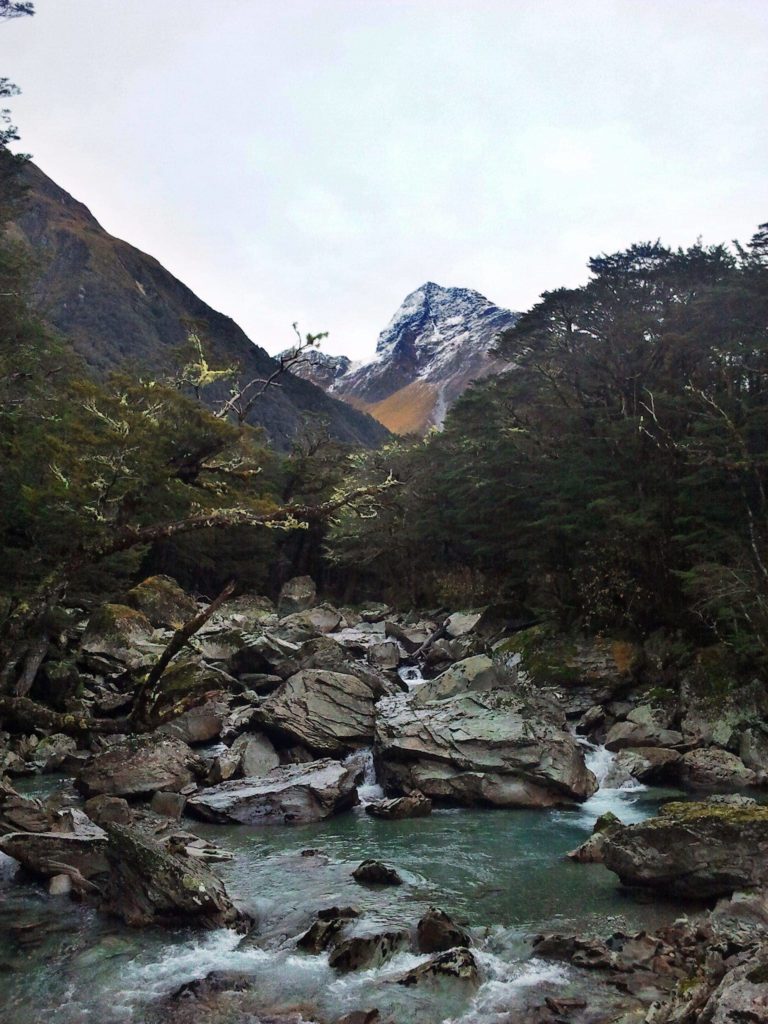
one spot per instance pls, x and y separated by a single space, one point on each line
335 813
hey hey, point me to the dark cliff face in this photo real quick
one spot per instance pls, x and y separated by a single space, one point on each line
120 307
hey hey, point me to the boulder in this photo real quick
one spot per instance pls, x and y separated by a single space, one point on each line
641 734
140 765
163 602
288 795
52 751
243 614
456 964
296 595
328 712
257 756
22 814
694 851
199 724
490 748
180 689
436 933
168 805
385 656
373 872
327 926
742 995
655 765
591 850
118 631
472 675
461 623
415 805
113 809
600 665
45 854
710 767
321 619
150 885
361 952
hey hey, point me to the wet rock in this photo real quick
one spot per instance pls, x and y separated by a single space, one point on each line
140 765
256 753
694 851
296 595
360 952
385 656
149 885
374 872
436 933
168 805
46 854
641 734
323 932
328 712
591 851
199 724
456 964
415 805
22 814
711 767
655 765
163 602
118 631
290 795
489 748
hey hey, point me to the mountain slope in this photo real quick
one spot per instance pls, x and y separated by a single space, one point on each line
436 344
119 306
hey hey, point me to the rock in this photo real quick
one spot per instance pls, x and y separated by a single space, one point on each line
321 619
52 751
51 853
328 712
243 614
711 767
753 750
373 872
104 809
325 929
456 964
694 851
436 933
163 602
600 665
118 631
591 851
473 675
288 795
256 753
22 814
360 1017
636 734
149 885
180 689
326 653
367 951
199 724
491 748
415 805
60 885
742 995
296 595
139 765
461 623
653 765
375 611
168 805
384 656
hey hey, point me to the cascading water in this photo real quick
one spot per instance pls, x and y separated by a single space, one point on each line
411 676
617 790
369 790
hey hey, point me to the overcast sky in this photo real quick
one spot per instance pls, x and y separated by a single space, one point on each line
316 160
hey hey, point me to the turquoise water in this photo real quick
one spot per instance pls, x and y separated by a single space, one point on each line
502 873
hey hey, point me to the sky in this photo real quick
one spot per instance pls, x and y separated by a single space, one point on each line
317 160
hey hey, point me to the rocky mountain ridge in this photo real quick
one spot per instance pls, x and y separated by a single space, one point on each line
120 307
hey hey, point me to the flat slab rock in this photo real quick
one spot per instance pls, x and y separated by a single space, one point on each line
291 794
142 764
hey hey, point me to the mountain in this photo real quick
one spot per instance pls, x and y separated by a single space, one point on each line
436 344
319 367
121 307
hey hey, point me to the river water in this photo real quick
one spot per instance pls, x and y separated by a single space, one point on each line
502 873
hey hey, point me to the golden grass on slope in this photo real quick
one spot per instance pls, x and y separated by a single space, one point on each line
407 411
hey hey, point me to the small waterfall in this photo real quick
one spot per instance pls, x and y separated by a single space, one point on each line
617 790
369 790
411 676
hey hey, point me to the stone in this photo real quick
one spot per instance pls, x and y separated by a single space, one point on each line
436 933
22 814
150 885
139 765
637 734
472 675
288 795
52 751
331 713
711 767
181 688
491 748
118 631
373 872
241 614
257 755
694 851
321 619
60 885
163 602
168 805
296 595
591 851
456 964
103 809
655 765
385 656
461 623
199 724
415 805
325 928
46 854
742 995
360 952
